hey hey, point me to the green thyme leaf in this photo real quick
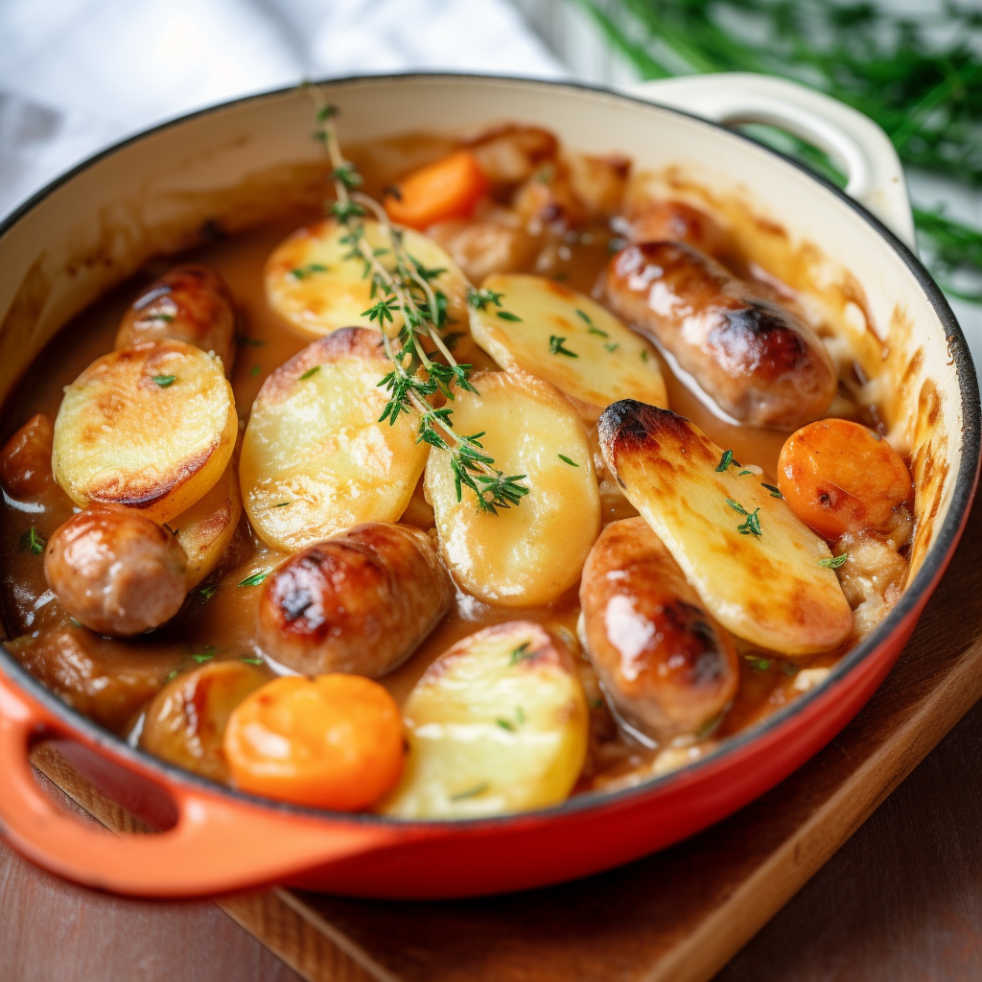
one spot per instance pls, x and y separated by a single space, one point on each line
566 460
725 461
205 593
310 372
302 272
255 579
165 380
521 653
556 347
32 541
834 562
775 493
506 725
507 315
471 792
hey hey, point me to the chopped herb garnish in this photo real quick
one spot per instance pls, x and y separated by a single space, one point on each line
74 621
207 592
758 664
248 342
302 272
611 346
752 525
507 315
566 460
644 354
251 660
744 471
202 656
597 703
556 347
163 318
834 562
165 380
254 371
255 579
519 715
591 327
310 371
172 674
506 725
479 299
775 493
521 653
282 504
471 792
32 541
725 461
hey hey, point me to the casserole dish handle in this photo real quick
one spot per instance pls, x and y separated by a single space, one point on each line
211 848
853 141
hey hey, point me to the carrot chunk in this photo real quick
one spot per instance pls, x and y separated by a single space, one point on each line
447 188
838 476
334 741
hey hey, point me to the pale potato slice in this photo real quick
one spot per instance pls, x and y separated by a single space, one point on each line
150 427
529 553
497 724
755 566
596 359
316 290
205 530
315 459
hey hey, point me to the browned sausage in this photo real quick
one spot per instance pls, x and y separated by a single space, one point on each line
666 666
25 461
108 681
359 602
116 572
190 303
760 363
675 221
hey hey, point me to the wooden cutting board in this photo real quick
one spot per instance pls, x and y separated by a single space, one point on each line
678 915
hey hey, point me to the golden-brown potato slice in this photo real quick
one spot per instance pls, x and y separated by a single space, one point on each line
530 553
316 290
205 530
150 427
186 721
315 458
497 724
568 340
757 569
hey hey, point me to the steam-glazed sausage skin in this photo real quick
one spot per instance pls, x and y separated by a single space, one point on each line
666 666
761 364
116 572
190 303
676 221
25 460
359 602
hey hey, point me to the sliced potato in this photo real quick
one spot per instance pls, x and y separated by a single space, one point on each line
755 566
497 724
186 721
596 359
150 427
315 459
205 530
312 286
530 553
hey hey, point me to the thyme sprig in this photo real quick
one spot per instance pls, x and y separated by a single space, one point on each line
422 363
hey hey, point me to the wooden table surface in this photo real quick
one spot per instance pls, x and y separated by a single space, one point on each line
901 901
